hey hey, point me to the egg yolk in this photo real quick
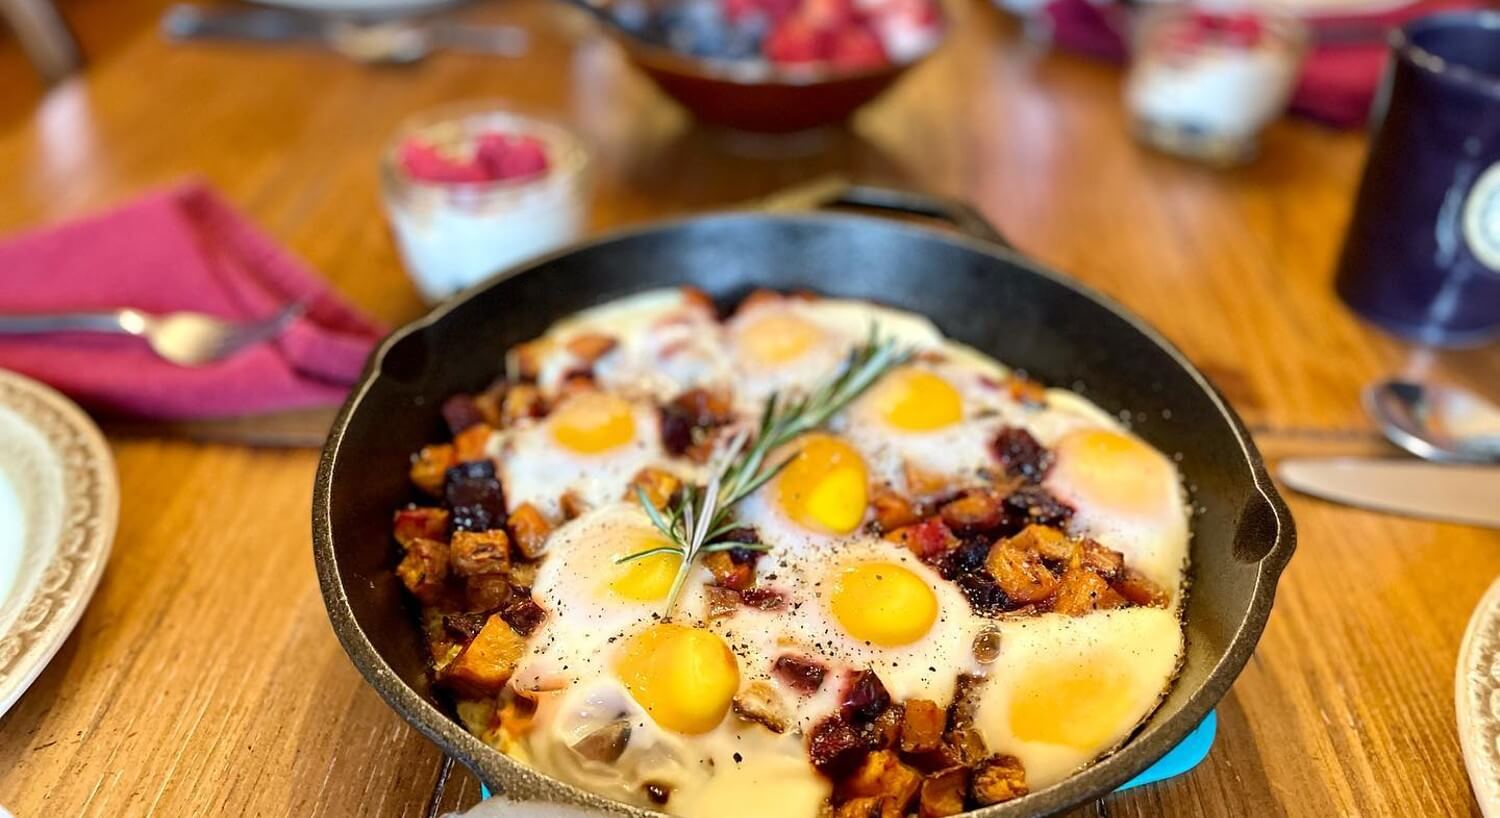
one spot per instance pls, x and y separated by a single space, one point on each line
1084 706
777 339
883 603
647 579
684 677
593 422
1112 470
918 401
825 487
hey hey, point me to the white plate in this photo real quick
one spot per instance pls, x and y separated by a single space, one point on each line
1476 691
59 502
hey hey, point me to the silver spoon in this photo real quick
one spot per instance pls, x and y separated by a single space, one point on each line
184 338
1441 423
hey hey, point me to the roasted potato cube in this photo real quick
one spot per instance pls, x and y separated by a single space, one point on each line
424 569
589 347
430 466
1081 591
524 361
486 592
521 401
573 505
657 484
728 573
966 745
472 443
1046 541
1138 590
421 523
479 552
486 664
922 726
922 483
974 511
868 808
892 511
529 529
943 792
1020 573
722 602
996 779
759 703
882 775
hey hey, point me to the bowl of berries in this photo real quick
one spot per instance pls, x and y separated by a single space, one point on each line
773 66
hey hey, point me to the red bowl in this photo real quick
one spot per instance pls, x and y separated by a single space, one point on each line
760 96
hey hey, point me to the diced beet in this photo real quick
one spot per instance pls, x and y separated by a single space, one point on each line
464 626
1034 504
474 496
676 431
967 558
689 414
799 672
764 599
523 614
834 746
865 698
1021 455
461 412
984 594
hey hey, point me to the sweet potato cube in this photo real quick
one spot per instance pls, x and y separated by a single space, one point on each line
728 573
486 592
473 443
589 347
1020 573
922 726
430 466
1081 591
658 485
868 808
943 792
892 511
529 529
923 483
486 664
1046 541
1105 562
1138 590
974 511
721 602
421 523
573 505
424 569
882 775
996 779
521 401
479 552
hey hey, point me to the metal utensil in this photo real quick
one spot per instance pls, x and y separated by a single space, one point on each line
381 41
1458 494
1435 422
184 338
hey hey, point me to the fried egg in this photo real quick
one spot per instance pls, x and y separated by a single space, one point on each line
789 344
1127 496
592 445
821 494
1066 689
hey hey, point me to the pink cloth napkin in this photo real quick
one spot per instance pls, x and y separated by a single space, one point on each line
1338 79
178 249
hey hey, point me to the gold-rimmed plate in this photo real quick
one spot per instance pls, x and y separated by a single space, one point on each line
59 503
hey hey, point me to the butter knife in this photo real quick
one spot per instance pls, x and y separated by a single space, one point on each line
1412 488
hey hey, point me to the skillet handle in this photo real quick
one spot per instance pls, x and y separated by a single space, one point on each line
836 191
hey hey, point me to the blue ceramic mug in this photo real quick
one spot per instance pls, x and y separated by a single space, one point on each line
1422 255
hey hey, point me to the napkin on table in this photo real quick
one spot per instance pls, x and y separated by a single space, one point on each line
1340 73
179 249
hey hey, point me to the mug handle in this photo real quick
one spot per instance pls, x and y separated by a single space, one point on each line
836 191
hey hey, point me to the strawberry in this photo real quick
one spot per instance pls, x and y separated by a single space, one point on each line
856 48
423 161
506 157
795 41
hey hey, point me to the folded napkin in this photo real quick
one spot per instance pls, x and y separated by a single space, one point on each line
1339 75
178 249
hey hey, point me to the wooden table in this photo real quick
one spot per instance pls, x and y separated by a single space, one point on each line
205 680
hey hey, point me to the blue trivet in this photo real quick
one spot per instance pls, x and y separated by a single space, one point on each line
1185 756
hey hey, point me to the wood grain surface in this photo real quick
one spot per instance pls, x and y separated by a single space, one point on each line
204 678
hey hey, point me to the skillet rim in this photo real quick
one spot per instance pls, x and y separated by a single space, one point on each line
1094 781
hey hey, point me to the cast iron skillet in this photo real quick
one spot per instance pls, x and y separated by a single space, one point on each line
977 290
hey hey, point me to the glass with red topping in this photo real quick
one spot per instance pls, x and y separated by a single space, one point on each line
471 190
1205 80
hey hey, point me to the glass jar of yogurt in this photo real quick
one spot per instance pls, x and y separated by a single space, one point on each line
473 189
1206 79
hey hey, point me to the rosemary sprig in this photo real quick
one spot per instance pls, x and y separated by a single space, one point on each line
701 515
